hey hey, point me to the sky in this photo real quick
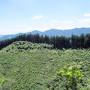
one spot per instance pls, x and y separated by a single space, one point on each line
19 16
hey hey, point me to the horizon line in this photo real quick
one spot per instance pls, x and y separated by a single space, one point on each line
45 30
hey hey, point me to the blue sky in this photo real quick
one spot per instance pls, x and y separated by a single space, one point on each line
28 15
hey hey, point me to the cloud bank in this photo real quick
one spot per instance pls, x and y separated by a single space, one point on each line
36 24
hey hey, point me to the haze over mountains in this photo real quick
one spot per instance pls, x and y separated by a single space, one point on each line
3 37
53 32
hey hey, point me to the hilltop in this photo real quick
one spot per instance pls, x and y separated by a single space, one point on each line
20 46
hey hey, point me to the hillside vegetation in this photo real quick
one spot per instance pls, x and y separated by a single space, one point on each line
20 46
28 66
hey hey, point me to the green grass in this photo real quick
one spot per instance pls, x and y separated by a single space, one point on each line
31 67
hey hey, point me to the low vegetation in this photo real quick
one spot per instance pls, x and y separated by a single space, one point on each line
70 77
28 66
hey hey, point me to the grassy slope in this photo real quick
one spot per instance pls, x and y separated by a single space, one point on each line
32 69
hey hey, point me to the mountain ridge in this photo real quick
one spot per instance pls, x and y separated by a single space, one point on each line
52 32
58 32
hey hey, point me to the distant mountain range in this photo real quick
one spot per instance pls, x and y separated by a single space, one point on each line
68 32
3 37
53 32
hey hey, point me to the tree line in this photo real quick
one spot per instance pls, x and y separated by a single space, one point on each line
59 42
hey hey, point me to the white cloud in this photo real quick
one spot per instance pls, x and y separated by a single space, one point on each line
27 26
8 28
78 23
85 22
37 17
87 15
51 25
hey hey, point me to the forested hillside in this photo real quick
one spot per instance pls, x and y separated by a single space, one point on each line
59 42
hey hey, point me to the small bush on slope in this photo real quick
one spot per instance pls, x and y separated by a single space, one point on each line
69 77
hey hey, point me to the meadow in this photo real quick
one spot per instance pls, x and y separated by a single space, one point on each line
28 66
